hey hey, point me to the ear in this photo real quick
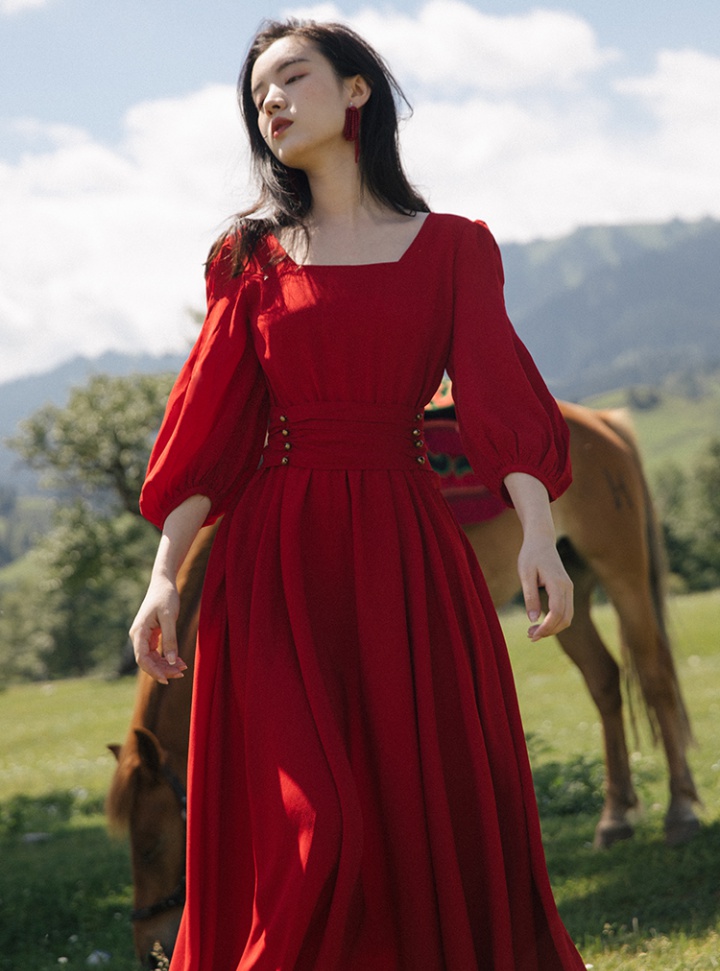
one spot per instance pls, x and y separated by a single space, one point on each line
149 750
358 90
115 749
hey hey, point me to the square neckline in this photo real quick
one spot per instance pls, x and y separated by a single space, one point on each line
338 266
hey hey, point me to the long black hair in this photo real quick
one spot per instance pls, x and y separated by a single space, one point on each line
285 198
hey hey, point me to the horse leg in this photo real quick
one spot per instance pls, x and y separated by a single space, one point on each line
583 645
646 645
637 594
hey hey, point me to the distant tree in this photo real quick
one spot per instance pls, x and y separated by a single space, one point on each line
8 501
707 512
24 641
89 571
643 398
671 494
689 508
97 447
27 519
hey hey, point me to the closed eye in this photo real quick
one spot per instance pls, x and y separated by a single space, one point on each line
290 80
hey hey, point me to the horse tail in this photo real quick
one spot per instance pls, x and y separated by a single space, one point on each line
618 420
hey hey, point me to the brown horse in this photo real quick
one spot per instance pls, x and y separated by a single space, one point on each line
147 794
607 535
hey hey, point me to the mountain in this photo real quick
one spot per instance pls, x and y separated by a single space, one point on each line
608 307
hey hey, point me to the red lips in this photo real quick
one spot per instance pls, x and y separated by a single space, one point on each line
279 125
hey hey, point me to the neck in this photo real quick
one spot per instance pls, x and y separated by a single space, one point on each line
338 198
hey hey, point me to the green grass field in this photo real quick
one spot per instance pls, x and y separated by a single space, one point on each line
640 907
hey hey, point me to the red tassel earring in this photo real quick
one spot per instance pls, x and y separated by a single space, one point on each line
351 129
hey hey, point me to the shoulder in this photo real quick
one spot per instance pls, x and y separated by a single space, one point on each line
237 256
473 247
462 231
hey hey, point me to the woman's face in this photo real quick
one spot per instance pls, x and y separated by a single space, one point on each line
300 101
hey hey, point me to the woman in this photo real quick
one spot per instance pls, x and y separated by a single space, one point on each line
360 796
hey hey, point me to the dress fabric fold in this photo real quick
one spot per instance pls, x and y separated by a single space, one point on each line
360 797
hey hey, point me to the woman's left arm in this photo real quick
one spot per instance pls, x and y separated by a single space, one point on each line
539 563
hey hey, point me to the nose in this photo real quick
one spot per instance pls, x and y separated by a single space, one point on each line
274 100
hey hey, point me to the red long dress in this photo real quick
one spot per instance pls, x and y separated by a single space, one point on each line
360 795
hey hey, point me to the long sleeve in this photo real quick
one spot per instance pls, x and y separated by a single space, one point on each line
216 417
509 422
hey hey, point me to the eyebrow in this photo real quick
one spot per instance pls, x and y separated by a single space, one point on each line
281 67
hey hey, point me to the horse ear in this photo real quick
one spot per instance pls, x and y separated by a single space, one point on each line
115 749
149 750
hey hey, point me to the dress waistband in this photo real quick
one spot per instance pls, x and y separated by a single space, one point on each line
346 435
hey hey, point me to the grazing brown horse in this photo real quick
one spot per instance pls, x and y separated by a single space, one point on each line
607 535
147 794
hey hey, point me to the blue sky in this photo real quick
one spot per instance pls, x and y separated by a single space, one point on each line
85 62
120 151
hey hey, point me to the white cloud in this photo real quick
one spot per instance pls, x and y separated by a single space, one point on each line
685 85
105 246
525 120
9 7
542 131
675 162
450 43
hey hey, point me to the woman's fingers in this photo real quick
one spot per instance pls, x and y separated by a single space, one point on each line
152 659
543 568
560 611
154 635
531 596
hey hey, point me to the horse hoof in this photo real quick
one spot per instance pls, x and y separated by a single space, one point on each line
608 834
681 831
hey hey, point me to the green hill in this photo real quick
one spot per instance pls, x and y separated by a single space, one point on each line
679 425
608 307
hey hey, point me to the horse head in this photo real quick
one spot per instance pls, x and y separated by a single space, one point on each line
148 798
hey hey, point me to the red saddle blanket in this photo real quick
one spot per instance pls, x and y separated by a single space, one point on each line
469 499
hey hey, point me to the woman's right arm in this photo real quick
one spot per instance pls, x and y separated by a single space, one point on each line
153 631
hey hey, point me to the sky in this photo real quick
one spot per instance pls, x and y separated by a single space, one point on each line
121 151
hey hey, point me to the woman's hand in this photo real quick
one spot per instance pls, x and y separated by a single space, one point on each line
153 632
539 565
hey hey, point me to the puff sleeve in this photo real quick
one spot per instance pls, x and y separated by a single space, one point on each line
215 421
509 421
